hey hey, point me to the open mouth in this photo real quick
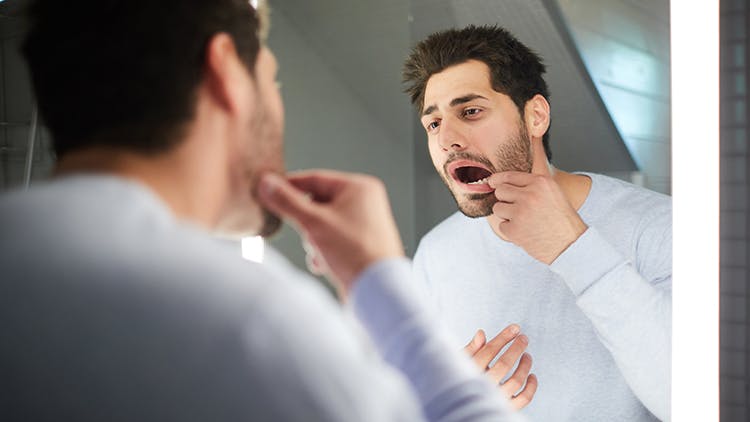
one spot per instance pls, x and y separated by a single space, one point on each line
471 174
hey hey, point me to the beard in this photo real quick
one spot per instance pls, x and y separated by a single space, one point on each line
261 152
512 155
268 146
244 216
271 224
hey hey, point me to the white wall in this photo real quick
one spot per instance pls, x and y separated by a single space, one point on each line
625 46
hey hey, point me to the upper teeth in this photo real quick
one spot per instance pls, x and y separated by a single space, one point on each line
479 182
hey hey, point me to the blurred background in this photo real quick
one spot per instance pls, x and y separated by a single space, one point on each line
340 69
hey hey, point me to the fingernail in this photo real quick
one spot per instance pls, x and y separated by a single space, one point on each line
523 339
269 182
515 329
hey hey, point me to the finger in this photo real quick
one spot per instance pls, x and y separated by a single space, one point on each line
515 178
476 343
285 200
318 265
502 367
313 265
313 259
323 185
522 399
508 193
488 352
516 381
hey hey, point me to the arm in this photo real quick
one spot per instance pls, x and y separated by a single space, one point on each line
632 315
347 221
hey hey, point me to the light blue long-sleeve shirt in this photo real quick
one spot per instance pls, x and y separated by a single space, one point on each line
598 319
112 309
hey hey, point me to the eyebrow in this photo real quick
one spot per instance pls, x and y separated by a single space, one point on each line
454 102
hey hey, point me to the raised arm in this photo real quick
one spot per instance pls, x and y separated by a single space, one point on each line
632 312
631 308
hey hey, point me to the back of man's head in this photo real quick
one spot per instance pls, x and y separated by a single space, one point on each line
124 73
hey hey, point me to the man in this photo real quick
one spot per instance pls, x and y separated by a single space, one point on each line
581 262
118 305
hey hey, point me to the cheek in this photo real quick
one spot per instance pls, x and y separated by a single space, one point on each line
488 138
436 154
276 108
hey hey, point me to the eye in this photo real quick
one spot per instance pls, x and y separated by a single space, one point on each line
472 112
432 125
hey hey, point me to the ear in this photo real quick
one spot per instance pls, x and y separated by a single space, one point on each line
536 114
226 77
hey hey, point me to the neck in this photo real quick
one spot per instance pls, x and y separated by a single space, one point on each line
575 186
191 191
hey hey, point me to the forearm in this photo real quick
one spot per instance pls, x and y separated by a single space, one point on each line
445 381
632 316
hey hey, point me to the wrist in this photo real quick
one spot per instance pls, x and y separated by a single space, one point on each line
363 265
577 230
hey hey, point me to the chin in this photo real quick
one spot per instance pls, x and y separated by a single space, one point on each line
247 224
271 224
476 206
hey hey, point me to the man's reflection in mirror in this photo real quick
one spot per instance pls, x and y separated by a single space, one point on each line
572 268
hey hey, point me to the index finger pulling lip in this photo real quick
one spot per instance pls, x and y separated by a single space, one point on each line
516 178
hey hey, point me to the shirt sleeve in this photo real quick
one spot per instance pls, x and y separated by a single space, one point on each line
446 383
631 314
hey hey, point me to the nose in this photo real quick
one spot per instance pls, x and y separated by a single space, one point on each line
450 136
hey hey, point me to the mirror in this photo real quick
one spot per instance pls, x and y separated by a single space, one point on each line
340 64
340 68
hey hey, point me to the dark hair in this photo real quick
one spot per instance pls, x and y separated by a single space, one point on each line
515 70
124 73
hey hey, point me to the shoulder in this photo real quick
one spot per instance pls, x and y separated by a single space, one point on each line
617 189
113 236
637 221
616 199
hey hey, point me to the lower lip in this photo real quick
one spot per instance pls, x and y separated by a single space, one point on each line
478 188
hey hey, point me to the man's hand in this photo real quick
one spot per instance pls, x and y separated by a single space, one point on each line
483 352
535 214
344 219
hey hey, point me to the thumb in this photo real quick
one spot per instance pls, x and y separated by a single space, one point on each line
284 200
